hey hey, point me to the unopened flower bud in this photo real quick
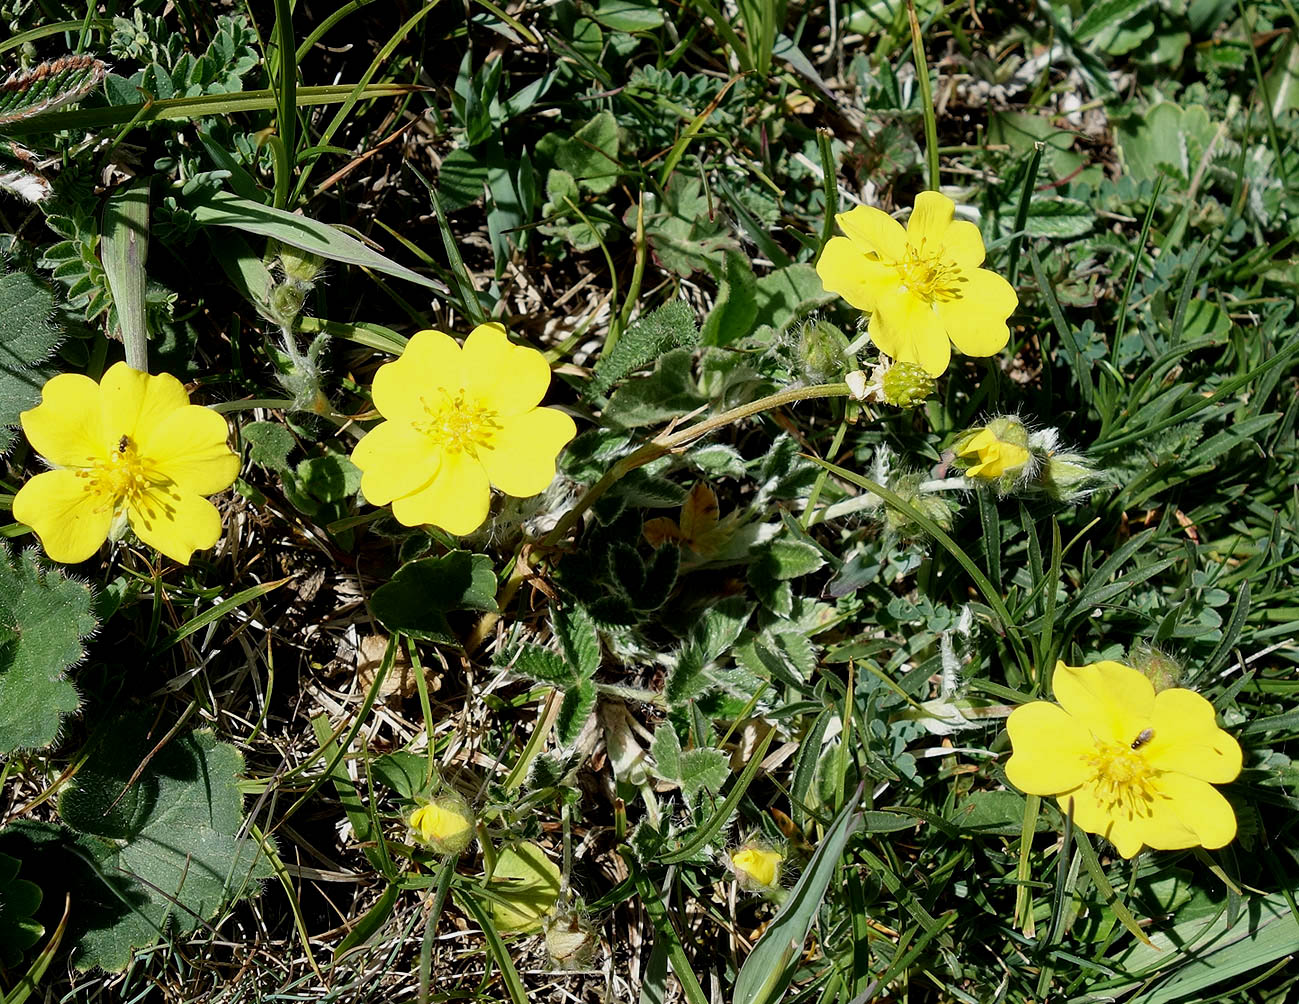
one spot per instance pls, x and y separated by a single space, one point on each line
997 452
1067 477
822 351
906 385
756 866
299 265
445 823
932 505
570 941
1158 667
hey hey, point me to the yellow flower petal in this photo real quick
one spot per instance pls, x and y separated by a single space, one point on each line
70 521
395 460
963 244
1193 805
976 322
430 360
507 379
1050 749
759 865
65 427
457 499
874 232
1113 701
911 327
848 271
435 822
1185 738
177 523
521 459
1096 815
189 447
930 220
133 404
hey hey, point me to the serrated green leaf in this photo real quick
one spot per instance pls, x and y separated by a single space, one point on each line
416 600
152 840
269 444
703 770
27 339
666 750
1059 217
44 616
578 640
671 326
575 709
545 666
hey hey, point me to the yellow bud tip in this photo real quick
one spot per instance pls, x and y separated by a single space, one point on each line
757 867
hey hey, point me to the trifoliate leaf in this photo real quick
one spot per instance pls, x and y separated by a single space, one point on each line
44 615
18 901
524 887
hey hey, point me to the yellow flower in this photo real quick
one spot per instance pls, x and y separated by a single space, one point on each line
129 448
998 448
922 286
447 823
756 867
1137 767
458 419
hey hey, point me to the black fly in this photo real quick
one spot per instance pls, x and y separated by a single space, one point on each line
1143 737
121 444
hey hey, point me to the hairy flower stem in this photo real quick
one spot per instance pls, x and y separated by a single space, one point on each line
659 446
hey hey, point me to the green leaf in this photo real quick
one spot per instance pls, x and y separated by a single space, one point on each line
269 444
669 391
785 296
666 750
27 339
48 86
416 600
221 209
403 772
591 156
19 900
1105 14
545 666
151 842
767 971
703 770
684 231
790 559
574 711
736 306
524 887
672 326
462 179
1059 217
995 813
629 15
44 616
578 640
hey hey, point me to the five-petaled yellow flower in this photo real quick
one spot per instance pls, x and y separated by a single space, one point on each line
1137 767
130 448
922 286
458 419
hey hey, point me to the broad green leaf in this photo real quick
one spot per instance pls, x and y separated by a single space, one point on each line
269 444
785 296
524 887
1106 14
995 813
44 616
545 666
403 772
1058 217
703 770
766 973
629 15
416 600
669 391
221 209
591 155
736 307
151 841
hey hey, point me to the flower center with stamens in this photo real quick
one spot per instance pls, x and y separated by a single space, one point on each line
121 476
924 274
458 425
1123 780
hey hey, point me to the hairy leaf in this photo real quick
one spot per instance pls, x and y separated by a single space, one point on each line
27 339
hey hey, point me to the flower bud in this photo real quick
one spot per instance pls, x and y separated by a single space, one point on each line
996 452
931 504
1158 667
1067 477
445 823
299 265
822 351
570 940
756 866
906 385
286 303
